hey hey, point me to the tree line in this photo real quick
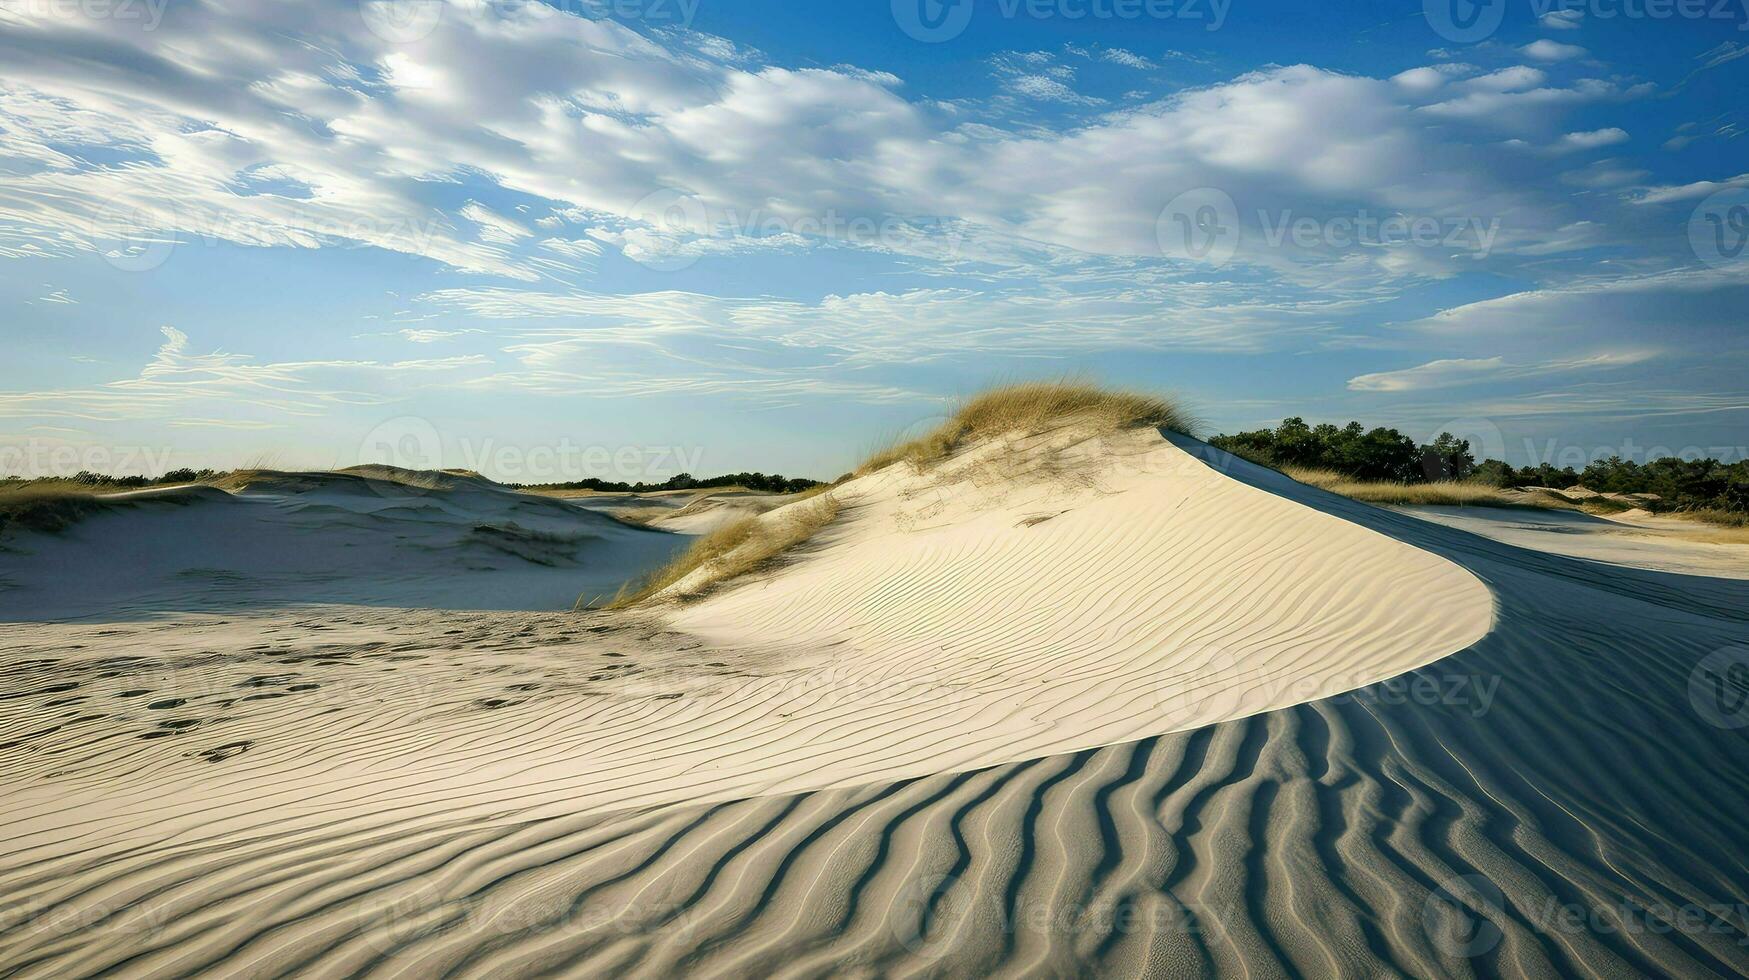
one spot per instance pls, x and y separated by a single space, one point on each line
768 483
1388 455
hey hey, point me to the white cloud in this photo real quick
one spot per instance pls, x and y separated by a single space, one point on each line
1604 174
1593 139
595 117
1047 89
494 227
230 122
1528 108
1433 374
1126 58
1547 50
1431 77
1514 79
1562 20
1456 371
1666 193
1702 306
418 336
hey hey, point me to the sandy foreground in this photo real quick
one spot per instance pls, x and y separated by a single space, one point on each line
1131 706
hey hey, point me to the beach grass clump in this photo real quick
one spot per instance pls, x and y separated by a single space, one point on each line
52 506
1714 515
1436 493
48 509
1033 407
741 546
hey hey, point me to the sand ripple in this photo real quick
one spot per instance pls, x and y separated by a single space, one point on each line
1551 800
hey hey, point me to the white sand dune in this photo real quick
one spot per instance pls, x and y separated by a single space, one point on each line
682 511
707 512
1060 599
375 535
971 729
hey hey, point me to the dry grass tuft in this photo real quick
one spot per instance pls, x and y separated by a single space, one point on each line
1714 515
736 548
1712 526
640 516
1444 493
1032 407
51 507
46 509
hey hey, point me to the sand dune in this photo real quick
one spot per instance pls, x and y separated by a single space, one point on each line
683 511
374 535
1097 752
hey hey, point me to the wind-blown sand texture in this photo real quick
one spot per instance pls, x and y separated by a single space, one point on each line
1034 712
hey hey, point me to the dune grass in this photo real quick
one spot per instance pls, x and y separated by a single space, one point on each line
750 543
1030 407
1720 525
640 516
48 509
738 547
1714 515
1441 493
52 506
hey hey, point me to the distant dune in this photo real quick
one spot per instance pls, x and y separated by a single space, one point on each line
375 535
1049 705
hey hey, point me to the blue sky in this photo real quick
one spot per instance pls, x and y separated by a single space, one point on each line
625 237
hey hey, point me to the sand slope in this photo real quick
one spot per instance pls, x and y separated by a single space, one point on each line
1633 539
374 535
392 825
1062 598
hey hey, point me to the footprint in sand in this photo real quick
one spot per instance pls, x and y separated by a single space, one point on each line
220 753
266 680
166 703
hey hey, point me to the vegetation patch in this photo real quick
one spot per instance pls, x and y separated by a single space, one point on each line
1384 466
1033 407
1438 493
52 506
762 482
733 550
1370 455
